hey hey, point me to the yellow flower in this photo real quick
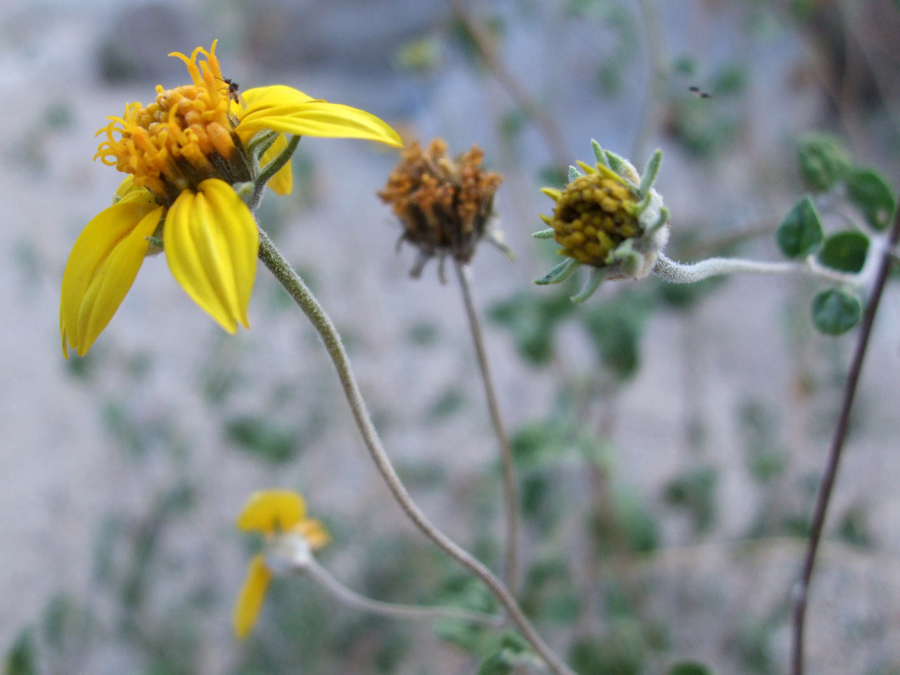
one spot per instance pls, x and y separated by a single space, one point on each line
194 156
291 537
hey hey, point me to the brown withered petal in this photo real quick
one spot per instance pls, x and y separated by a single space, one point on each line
443 205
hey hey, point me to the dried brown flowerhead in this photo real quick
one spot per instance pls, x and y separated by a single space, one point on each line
444 205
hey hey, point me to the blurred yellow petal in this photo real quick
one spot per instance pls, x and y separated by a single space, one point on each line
283 181
316 118
315 532
271 510
251 598
553 193
279 94
102 267
211 243
125 187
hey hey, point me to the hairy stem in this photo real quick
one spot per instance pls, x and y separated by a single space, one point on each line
510 486
409 612
270 169
307 302
679 273
837 445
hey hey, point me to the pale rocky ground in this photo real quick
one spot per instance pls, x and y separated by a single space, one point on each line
62 471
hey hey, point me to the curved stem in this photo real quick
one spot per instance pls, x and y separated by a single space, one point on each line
270 169
679 273
510 486
307 302
837 445
411 612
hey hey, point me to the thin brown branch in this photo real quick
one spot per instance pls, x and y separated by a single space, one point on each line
837 445
486 49
510 486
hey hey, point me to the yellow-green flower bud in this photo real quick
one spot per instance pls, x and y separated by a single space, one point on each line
608 217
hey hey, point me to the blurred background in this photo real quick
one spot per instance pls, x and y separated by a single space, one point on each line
669 440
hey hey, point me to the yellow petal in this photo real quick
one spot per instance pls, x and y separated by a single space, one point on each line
125 187
211 243
553 193
278 94
252 595
315 118
314 531
271 510
102 267
283 181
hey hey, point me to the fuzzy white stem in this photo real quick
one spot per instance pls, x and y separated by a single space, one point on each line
679 273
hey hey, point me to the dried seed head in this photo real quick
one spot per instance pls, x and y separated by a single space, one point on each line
444 205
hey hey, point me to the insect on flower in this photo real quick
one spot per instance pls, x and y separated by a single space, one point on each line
190 155
233 89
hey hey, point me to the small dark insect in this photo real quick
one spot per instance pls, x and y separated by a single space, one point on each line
233 88
696 91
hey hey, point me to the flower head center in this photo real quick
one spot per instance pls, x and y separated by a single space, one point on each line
184 137
594 214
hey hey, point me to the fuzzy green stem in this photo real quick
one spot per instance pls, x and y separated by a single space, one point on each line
297 289
678 273
261 143
510 485
390 609
270 169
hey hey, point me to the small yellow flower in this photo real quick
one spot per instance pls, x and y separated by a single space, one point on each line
291 537
186 155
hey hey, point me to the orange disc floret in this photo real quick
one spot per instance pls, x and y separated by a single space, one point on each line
181 139
593 215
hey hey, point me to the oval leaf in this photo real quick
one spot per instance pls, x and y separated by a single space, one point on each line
836 311
823 161
871 194
690 668
845 251
800 233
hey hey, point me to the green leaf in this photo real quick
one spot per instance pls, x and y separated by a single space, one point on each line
616 329
845 251
800 233
21 659
621 650
695 491
690 668
823 161
836 311
264 439
496 664
868 190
